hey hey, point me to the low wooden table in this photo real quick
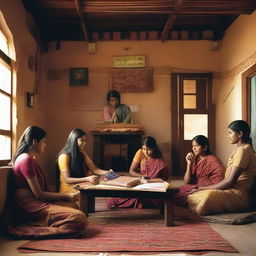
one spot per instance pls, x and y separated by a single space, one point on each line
88 194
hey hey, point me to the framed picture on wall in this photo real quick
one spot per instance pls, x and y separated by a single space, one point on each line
78 76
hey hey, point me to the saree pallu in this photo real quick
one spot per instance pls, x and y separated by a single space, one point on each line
216 201
153 168
123 114
50 221
206 172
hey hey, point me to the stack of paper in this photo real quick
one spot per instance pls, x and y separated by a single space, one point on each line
158 186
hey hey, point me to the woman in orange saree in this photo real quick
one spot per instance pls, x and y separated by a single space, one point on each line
147 163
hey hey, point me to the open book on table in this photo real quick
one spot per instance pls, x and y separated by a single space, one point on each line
157 186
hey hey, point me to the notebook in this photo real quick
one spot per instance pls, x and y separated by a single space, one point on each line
124 181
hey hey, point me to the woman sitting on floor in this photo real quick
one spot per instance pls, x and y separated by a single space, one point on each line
233 192
203 169
147 162
38 212
74 165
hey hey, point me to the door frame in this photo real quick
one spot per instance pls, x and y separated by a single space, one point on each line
175 120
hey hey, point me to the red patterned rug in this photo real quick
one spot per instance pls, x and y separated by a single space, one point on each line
137 230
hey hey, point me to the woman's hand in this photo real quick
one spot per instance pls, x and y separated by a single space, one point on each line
114 117
109 175
93 179
197 189
190 157
71 197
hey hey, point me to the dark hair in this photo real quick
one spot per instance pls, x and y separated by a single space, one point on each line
113 94
76 157
26 140
204 142
150 142
241 126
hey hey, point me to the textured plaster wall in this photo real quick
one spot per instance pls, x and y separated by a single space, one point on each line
154 108
238 53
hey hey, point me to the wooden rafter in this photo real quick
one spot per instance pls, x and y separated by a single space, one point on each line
67 20
168 25
82 21
171 20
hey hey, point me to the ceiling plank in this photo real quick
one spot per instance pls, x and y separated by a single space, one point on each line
171 20
82 21
168 25
59 20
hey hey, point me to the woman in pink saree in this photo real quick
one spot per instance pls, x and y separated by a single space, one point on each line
203 169
147 163
37 212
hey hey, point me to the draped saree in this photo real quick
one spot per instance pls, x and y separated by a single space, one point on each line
37 218
205 172
123 114
238 196
153 168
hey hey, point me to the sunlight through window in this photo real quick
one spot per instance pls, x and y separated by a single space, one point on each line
5 112
5 78
5 101
4 43
195 124
5 149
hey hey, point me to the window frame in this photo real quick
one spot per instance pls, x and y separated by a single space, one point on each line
246 94
7 60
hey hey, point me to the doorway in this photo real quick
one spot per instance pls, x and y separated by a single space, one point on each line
192 114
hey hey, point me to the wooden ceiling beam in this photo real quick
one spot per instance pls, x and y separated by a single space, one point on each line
168 25
59 20
171 20
82 21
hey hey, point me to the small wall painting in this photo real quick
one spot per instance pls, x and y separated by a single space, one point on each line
78 76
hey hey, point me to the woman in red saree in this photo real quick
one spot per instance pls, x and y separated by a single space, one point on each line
147 163
203 169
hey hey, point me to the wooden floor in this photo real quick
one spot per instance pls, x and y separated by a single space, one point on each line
241 237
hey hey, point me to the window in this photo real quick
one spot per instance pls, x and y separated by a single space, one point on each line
195 124
5 101
253 110
189 94
249 100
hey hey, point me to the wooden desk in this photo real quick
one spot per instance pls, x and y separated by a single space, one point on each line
132 139
88 194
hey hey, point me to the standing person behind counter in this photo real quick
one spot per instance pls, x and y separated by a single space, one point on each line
115 112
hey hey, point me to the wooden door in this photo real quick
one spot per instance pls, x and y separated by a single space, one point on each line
192 114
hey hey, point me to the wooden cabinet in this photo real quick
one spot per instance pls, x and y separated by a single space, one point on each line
100 139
